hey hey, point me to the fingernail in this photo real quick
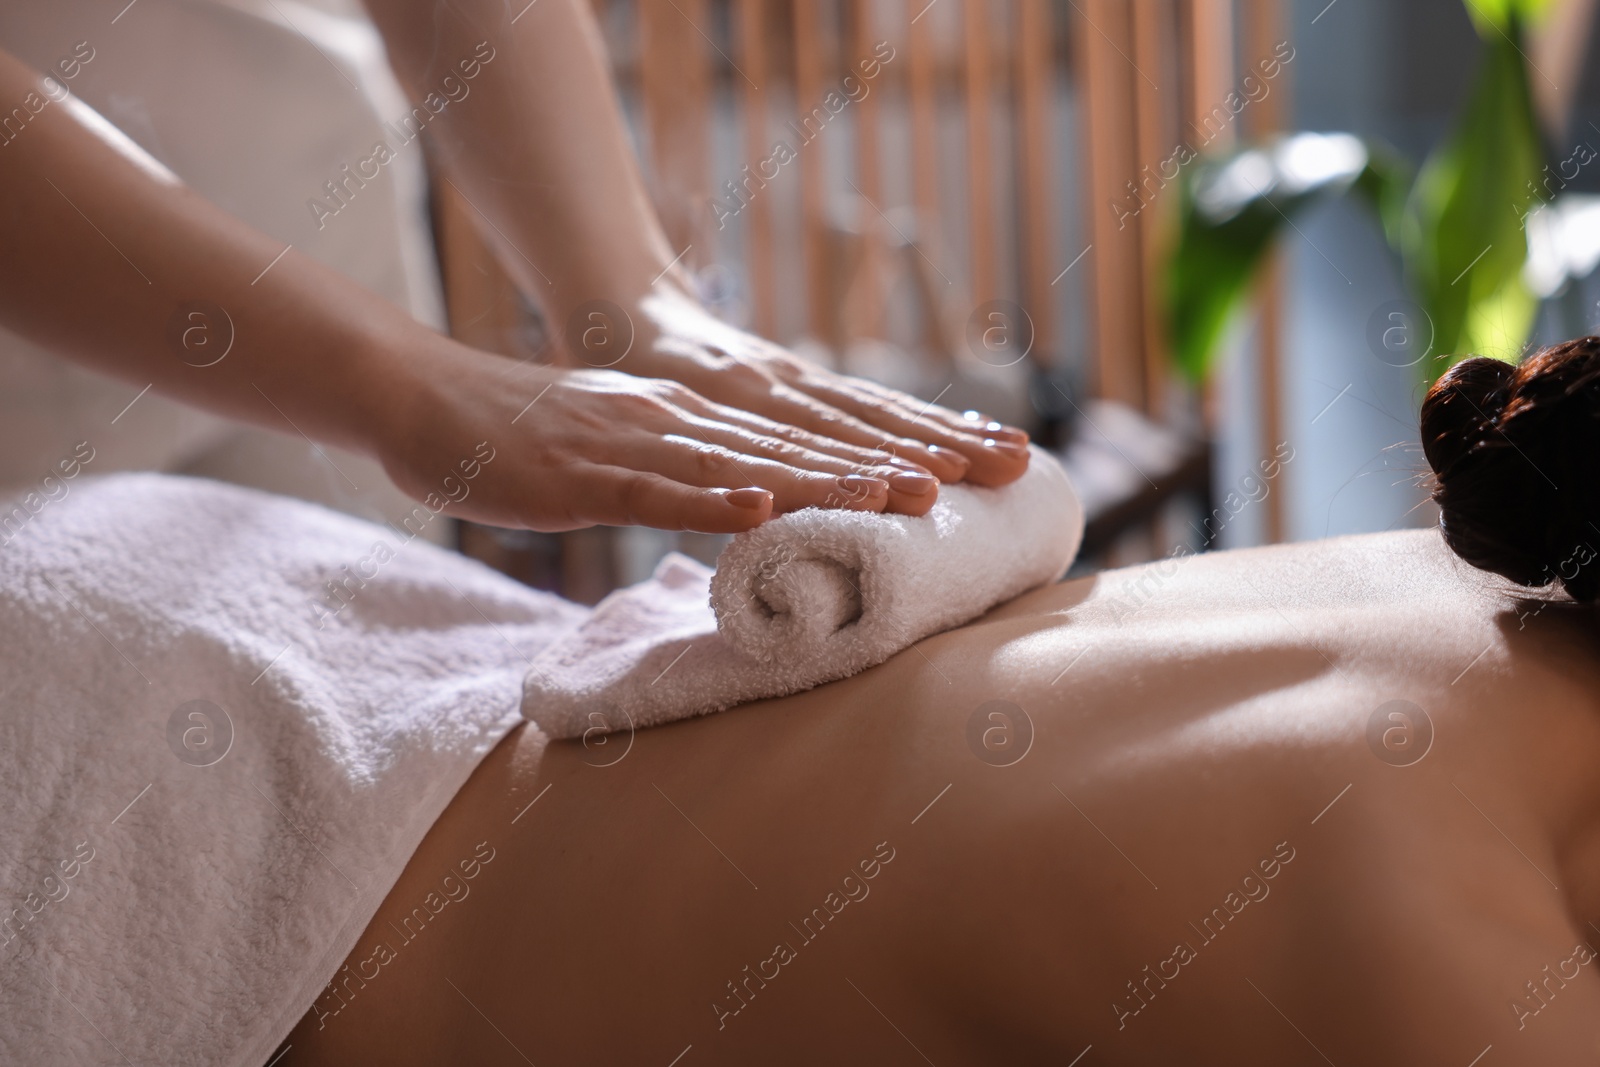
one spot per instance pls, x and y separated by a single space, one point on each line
1009 433
747 498
896 463
915 483
859 485
949 456
1006 448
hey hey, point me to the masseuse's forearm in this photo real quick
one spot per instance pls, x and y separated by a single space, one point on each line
563 196
104 248
106 256
517 95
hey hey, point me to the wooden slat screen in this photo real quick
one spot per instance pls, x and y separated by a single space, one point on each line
1108 101
897 214
675 77
920 157
1036 206
1263 26
751 17
981 202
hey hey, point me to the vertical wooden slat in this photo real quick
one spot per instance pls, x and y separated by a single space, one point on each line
1035 135
809 35
1557 45
1263 29
862 37
1156 126
980 152
484 310
1208 58
589 564
674 78
1103 35
482 307
924 94
1210 64
750 15
869 168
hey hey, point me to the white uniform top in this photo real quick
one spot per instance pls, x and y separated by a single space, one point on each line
255 104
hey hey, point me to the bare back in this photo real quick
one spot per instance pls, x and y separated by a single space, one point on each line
1330 802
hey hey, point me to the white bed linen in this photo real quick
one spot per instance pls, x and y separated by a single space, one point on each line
179 881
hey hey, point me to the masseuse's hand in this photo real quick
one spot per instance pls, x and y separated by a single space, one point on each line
574 448
672 337
534 141
301 348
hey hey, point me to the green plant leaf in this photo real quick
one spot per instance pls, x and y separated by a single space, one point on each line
1385 184
1462 237
1232 206
1492 17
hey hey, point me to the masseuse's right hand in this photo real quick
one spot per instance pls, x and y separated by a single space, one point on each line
576 448
302 349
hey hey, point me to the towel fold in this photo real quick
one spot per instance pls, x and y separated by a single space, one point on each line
229 719
810 597
846 589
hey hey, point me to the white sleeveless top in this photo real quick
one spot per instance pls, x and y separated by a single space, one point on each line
233 96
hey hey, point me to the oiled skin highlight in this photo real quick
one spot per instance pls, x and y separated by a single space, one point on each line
1212 719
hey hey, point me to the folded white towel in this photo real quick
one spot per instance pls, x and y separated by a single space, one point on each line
213 765
843 590
804 599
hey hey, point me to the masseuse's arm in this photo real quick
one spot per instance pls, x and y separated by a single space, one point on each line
535 140
105 252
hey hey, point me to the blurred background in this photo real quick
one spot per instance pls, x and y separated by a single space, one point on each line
1210 252
994 203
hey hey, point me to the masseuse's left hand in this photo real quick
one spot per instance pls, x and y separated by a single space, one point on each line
533 138
673 337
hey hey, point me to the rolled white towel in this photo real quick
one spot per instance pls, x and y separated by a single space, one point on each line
848 589
804 599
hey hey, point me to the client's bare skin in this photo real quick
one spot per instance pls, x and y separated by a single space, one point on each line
1209 853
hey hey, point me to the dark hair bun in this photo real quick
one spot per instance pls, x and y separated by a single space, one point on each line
1513 451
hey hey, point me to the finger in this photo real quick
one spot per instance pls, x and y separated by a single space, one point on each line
696 461
979 423
791 405
809 379
992 460
617 496
859 455
974 423
765 397
911 491
679 403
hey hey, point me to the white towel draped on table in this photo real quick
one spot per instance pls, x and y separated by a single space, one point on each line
213 768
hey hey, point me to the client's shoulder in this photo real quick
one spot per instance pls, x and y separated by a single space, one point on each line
1356 573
